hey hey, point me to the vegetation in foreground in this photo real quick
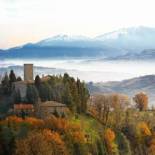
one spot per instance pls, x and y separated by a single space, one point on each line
107 124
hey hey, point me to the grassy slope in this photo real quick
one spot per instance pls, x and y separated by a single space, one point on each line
90 126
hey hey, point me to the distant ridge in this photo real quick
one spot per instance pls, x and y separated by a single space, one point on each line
117 43
129 87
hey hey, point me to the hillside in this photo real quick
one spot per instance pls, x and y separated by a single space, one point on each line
129 87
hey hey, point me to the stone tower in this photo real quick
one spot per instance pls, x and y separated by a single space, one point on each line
28 72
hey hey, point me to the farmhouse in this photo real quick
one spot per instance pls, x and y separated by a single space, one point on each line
48 108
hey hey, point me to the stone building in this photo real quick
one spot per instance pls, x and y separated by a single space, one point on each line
48 108
21 86
28 72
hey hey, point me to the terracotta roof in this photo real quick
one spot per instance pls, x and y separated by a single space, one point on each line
22 106
45 78
52 104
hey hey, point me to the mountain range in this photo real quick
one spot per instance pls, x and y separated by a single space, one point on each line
130 87
123 42
147 54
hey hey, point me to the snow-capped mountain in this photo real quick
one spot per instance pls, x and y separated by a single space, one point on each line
116 43
64 37
69 41
134 39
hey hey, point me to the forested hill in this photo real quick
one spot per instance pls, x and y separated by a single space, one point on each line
129 87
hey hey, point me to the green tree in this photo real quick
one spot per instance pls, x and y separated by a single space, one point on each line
7 140
37 81
6 85
19 78
32 95
123 144
16 97
67 97
45 92
66 78
83 95
12 77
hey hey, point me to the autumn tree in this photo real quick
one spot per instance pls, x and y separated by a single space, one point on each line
143 133
34 144
109 137
141 100
103 104
119 104
143 130
54 138
120 101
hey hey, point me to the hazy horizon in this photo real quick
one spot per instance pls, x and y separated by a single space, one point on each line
89 69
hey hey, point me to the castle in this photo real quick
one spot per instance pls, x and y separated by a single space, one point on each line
21 86
41 109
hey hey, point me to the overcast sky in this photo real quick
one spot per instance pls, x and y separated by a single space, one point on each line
23 21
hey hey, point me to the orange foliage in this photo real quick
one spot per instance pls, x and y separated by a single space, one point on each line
15 122
57 124
33 121
52 136
109 135
34 143
61 125
93 111
141 100
14 119
143 129
78 137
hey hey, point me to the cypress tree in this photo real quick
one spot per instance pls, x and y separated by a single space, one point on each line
37 81
32 95
12 77
6 85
